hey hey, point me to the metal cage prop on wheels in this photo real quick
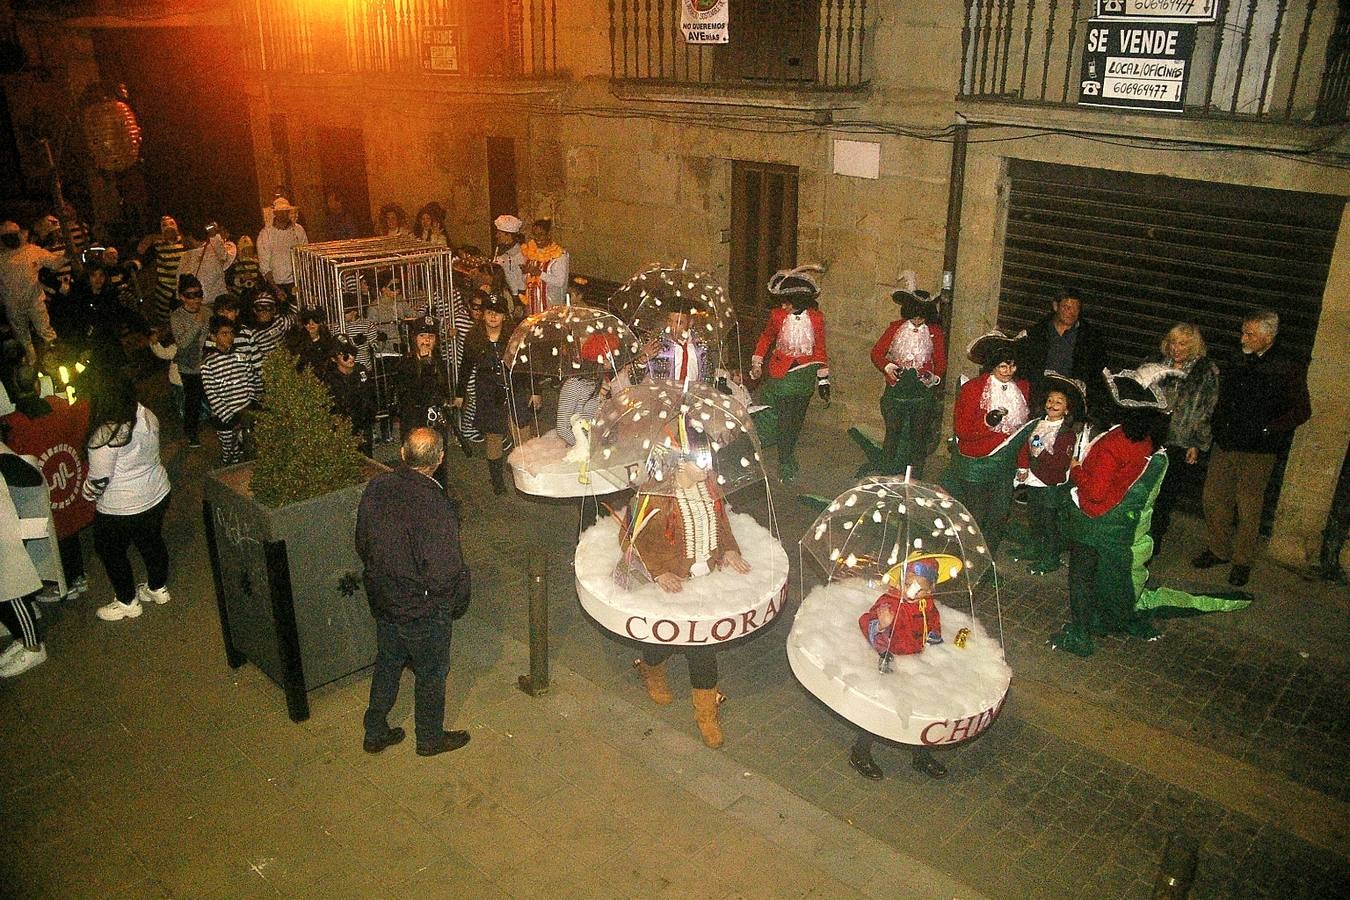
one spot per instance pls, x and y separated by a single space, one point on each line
372 289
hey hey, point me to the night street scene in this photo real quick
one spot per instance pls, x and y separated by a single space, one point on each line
674 448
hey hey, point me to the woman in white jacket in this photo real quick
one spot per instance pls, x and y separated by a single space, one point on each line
130 490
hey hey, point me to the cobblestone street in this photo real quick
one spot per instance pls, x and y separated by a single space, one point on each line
140 765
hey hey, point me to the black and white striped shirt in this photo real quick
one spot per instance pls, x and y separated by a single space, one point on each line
231 382
269 337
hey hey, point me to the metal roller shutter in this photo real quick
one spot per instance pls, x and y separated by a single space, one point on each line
1150 251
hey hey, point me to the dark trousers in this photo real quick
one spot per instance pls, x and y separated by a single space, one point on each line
424 645
988 502
113 535
194 397
72 556
702 663
22 617
1181 479
1043 515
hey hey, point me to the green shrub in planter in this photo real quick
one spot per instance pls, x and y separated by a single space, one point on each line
303 449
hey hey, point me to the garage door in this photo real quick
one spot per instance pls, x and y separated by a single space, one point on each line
1151 251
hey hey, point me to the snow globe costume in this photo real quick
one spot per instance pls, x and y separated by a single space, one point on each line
678 568
990 423
681 317
791 351
901 559
1043 462
586 350
911 355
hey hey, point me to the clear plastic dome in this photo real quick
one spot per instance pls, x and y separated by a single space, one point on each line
570 342
669 434
667 301
872 530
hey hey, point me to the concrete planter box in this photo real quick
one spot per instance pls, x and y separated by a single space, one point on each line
288 583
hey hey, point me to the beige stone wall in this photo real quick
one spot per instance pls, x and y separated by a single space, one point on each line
631 179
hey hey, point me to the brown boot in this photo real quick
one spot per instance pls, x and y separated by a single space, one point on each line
705 714
654 680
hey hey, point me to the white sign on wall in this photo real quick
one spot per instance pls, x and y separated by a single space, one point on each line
1197 11
704 21
857 159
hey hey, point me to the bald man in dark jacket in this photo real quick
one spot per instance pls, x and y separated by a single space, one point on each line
407 535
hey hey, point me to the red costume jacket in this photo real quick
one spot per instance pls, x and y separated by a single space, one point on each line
973 436
908 633
779 363
1112 465
1052 466
936 366
56 440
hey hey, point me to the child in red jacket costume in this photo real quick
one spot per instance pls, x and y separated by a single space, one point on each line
912 355
797 364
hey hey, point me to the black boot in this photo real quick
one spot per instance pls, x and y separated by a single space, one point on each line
495 473
925 762
860 758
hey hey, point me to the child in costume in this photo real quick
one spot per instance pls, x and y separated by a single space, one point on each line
798 362
675 353
912 355
1043 467
670 538
991 412
232 384
903 621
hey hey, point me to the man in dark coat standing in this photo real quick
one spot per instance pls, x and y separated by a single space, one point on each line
1062 342
407 534
1263 397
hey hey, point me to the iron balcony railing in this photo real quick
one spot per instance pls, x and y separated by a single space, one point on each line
813 44
484 38
1270 60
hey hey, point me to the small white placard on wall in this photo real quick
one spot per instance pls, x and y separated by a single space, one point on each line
858 159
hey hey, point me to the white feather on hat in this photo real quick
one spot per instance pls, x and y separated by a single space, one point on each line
801 280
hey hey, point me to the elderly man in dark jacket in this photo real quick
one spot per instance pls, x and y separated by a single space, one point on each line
1263 397
407 534
1062 342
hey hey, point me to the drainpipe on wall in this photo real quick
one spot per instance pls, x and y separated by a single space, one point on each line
956 182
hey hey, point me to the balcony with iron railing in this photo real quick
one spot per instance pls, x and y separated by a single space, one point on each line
1278 61
792 45
489 39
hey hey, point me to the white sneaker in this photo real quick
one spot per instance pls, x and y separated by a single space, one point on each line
116 610
147 594
23 661
10 652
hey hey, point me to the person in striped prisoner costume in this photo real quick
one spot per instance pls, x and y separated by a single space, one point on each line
168 246
245 344
269 327
232 384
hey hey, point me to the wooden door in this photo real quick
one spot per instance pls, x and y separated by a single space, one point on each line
763 240
342 168
501 162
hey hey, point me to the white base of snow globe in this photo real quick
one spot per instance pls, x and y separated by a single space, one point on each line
538 468
944 695
710 609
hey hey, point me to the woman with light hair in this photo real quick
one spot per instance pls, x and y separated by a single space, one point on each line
1191 398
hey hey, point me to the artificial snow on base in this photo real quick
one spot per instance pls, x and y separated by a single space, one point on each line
539 467
944 695
710 609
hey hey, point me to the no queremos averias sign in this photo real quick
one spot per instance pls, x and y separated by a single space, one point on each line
1137 66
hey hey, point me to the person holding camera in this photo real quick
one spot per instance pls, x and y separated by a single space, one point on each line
210 262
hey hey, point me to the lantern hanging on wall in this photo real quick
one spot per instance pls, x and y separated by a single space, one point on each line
111 132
